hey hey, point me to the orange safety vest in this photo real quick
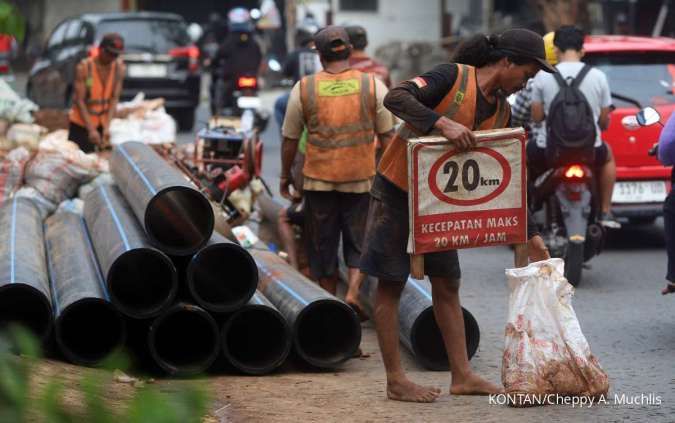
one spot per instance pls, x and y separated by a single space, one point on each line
98 95
459 104
340 112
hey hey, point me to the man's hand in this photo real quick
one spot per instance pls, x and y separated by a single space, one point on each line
95 137
536 249
285 184
105 142
458 134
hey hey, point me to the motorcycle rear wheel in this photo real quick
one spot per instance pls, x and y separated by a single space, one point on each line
574 260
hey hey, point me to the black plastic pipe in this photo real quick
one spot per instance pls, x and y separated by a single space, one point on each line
268 228
184 340
256 339
222 276
88 327
24 284
326 331
140 279
177 218
418 329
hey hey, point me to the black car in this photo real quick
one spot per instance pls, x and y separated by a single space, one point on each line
159 56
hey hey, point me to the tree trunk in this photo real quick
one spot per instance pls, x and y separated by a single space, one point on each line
556 13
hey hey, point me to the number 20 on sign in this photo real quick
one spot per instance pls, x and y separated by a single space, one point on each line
467 199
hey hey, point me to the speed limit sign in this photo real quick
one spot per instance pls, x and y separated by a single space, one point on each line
467 199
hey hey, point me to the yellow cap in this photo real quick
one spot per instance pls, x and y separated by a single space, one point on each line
550 49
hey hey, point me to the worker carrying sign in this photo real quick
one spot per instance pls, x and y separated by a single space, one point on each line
453 100
467 199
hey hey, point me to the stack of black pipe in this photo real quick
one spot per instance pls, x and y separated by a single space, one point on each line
143 264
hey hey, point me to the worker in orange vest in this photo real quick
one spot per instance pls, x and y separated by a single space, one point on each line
343 110
98 84
451 101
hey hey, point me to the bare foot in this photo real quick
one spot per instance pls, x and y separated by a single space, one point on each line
474 385
669 289
405 390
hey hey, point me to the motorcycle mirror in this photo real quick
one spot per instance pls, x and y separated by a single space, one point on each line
630 123
648 116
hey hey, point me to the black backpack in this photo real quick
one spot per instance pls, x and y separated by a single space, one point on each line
570 124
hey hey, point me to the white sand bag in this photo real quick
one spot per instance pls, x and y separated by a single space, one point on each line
545 351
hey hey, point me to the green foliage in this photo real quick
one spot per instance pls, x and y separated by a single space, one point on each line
11 21
185 404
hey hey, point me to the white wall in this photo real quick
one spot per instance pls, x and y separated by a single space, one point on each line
58 10
396 20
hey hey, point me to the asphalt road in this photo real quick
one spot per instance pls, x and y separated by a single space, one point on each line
629 325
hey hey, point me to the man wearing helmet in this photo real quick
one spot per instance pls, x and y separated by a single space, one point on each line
238 55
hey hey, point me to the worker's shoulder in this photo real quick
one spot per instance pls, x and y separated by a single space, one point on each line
81 67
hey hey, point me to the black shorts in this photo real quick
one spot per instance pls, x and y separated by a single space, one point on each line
385 249
80 136
329 215
537 163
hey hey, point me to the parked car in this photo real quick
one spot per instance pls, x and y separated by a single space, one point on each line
160 59
641 72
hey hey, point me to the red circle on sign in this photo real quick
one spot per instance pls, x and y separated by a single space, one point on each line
457 202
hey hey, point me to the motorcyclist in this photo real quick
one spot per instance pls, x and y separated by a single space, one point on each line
214 30
568 42
238 55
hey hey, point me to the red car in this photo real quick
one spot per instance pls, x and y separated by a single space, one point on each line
641 72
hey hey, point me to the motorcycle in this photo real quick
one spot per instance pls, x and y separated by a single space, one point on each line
233 97
568 196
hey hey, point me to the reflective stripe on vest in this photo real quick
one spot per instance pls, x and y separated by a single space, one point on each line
110 84
98 95
459 104
340 112
327 134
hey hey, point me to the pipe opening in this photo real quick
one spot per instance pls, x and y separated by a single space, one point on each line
184 341
256 340
180 220
222 277
142 282
328 333
427 341
26 306
89 330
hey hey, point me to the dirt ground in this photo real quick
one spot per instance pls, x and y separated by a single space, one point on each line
354 393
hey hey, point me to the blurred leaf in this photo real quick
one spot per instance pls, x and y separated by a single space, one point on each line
23 341
117 360
51 405
149 406
97 410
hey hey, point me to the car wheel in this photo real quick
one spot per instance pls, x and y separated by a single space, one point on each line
185 118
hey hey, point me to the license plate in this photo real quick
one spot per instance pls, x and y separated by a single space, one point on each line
147 71
639 192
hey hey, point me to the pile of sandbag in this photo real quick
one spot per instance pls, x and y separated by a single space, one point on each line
142 120
16 121
11 172
56 172
13 107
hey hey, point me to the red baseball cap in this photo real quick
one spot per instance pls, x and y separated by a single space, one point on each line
112 42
